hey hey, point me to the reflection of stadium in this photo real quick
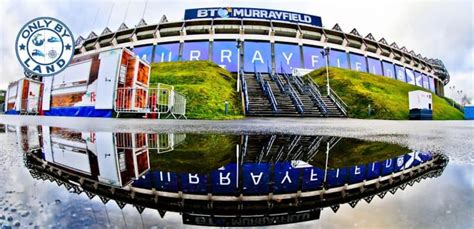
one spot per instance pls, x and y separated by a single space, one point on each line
274 45
265 186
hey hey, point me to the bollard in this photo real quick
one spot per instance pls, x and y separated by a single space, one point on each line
226 107
370 110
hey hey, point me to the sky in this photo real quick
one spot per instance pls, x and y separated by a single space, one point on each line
442 29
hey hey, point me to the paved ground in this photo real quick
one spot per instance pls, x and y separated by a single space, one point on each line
454 138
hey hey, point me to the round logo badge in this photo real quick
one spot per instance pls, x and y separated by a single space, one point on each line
44 46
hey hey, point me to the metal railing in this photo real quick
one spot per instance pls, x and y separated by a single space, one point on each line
338 101
162 143
178 109
293 95
245 91
277 80
271 96
267 90
160 100
30 105
333 96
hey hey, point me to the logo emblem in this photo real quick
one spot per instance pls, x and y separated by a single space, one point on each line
44 46
224 12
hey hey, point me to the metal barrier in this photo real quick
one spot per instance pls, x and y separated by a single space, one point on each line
30 105
158 101
162 143
178 109
2 107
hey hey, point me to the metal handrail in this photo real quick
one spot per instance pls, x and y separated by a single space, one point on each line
294 97
271 96
244 90
334 97
338 101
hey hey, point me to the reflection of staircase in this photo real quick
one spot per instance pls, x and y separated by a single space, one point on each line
286 96
274 148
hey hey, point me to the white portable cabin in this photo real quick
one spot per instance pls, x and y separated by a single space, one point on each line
88 87
95 154
301 71
23 97
420 100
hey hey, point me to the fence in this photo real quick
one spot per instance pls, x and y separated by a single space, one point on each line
30 105
161 143
151 101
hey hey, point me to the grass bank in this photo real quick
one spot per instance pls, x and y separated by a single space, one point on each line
387 97
199 153
205 85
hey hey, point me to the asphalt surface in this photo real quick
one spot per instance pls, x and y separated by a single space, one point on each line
454 138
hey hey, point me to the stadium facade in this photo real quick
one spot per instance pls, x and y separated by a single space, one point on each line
271 40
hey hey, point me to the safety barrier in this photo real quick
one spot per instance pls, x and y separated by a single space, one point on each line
30 105
154 101
161 143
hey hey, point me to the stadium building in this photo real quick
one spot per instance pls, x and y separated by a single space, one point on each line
265 48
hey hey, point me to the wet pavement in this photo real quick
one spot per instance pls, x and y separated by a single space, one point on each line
313 173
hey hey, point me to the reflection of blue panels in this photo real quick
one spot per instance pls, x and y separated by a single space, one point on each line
356 173
285 178
358 62
388 69
165 181
312 179
287 57
338 59
336 177
224 180
399 163
426 84
255 178
258 54
313 58
418 79
387 166
412 159
432 84
166 52
410 76
400 72
144 182
373 170
224 54
375 66
144 52
193 183
425 156
196 50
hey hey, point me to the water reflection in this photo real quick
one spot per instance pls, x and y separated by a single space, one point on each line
224 180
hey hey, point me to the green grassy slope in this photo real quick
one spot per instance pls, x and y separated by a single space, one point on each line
205 85
199 153
388 97
349 152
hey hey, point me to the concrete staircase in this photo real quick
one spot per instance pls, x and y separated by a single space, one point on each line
259 103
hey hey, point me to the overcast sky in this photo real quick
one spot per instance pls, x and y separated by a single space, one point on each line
441 29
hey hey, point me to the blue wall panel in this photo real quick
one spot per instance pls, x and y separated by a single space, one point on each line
166 52
358 62
258 54
338 59
196 50
287 57
144 52
225 54
312 57
375 66
388 69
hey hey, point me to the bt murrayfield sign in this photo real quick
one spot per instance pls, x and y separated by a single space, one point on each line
230 12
